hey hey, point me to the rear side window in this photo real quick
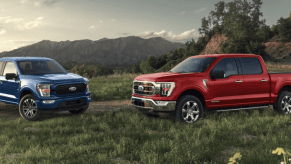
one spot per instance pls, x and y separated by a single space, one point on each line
9 68
251 66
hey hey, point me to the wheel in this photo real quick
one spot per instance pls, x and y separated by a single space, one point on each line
28 109
79 111
189 109
283 103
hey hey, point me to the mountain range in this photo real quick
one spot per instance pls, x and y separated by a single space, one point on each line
112 53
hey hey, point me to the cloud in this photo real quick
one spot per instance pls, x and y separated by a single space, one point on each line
197 11
23 1
2 32
92 27
113 20
170 35
29 25
37 4
182 13
101 21
13 20
50 2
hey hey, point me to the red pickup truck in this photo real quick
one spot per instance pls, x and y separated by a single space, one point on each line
220 82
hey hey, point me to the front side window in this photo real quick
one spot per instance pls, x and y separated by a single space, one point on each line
227 65
41 67
191 65
10 68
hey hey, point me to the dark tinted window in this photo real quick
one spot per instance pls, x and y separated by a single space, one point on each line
193 65
9 68
227 65
251 66
41 67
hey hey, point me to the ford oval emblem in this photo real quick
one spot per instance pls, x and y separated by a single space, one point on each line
140 88
72 88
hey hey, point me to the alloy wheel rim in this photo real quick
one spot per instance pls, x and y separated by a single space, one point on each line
29 108
286 104
190 111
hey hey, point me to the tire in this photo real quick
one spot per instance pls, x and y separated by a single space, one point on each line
28 108
184 104
79 111
283 103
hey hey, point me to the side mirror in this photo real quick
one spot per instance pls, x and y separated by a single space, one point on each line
68 70
216 74
10 76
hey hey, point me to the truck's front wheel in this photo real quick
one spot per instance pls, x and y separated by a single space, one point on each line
28 109
79 111
189 109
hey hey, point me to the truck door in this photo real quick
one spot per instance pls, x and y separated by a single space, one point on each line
1 83
256 82
9 88
228 91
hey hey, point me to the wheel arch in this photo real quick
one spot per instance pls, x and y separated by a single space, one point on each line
24 92
195 93
284 88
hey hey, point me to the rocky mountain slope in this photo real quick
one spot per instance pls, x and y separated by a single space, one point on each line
277 50
111 52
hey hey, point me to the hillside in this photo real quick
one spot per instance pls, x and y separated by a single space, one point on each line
111 53
276 49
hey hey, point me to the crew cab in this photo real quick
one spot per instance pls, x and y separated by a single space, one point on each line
219 82
40 85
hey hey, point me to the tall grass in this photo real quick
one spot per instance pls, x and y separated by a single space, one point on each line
127 136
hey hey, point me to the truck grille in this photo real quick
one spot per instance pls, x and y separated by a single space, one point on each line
64 89
147 88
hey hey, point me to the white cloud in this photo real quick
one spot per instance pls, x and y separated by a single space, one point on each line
37 4
92 27
2 32
113 20
101 21
14 20
30 25
197 11
182 13
23 1
170 35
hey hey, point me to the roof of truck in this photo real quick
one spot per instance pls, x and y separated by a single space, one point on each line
23 58
223 55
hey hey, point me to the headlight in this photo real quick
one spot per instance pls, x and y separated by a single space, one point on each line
87 86
166 88
44 89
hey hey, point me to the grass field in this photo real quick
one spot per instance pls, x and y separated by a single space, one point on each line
128 136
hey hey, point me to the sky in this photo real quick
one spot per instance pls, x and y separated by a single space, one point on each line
25 22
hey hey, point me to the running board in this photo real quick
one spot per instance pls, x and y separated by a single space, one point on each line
242 108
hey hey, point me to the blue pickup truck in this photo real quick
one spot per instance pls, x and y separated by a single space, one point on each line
40 85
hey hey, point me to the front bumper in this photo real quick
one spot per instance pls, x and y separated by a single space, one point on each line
153 105
65 104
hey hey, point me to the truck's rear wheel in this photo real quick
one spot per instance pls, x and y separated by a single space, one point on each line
283 103
28 109
189 109
79 111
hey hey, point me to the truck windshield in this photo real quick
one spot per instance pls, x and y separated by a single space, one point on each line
193 65
40 67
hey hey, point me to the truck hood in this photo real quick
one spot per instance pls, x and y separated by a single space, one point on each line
164 76
55 78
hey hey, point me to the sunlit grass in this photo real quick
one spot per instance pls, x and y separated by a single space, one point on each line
127 136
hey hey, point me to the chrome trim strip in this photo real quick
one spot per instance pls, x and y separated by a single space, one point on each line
263 80
214 101
242 108
204 82
166 106
7 95
238 81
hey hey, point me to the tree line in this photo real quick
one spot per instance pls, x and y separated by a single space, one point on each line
238 20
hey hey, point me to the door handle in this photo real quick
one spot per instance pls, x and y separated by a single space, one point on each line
263 80
238 81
